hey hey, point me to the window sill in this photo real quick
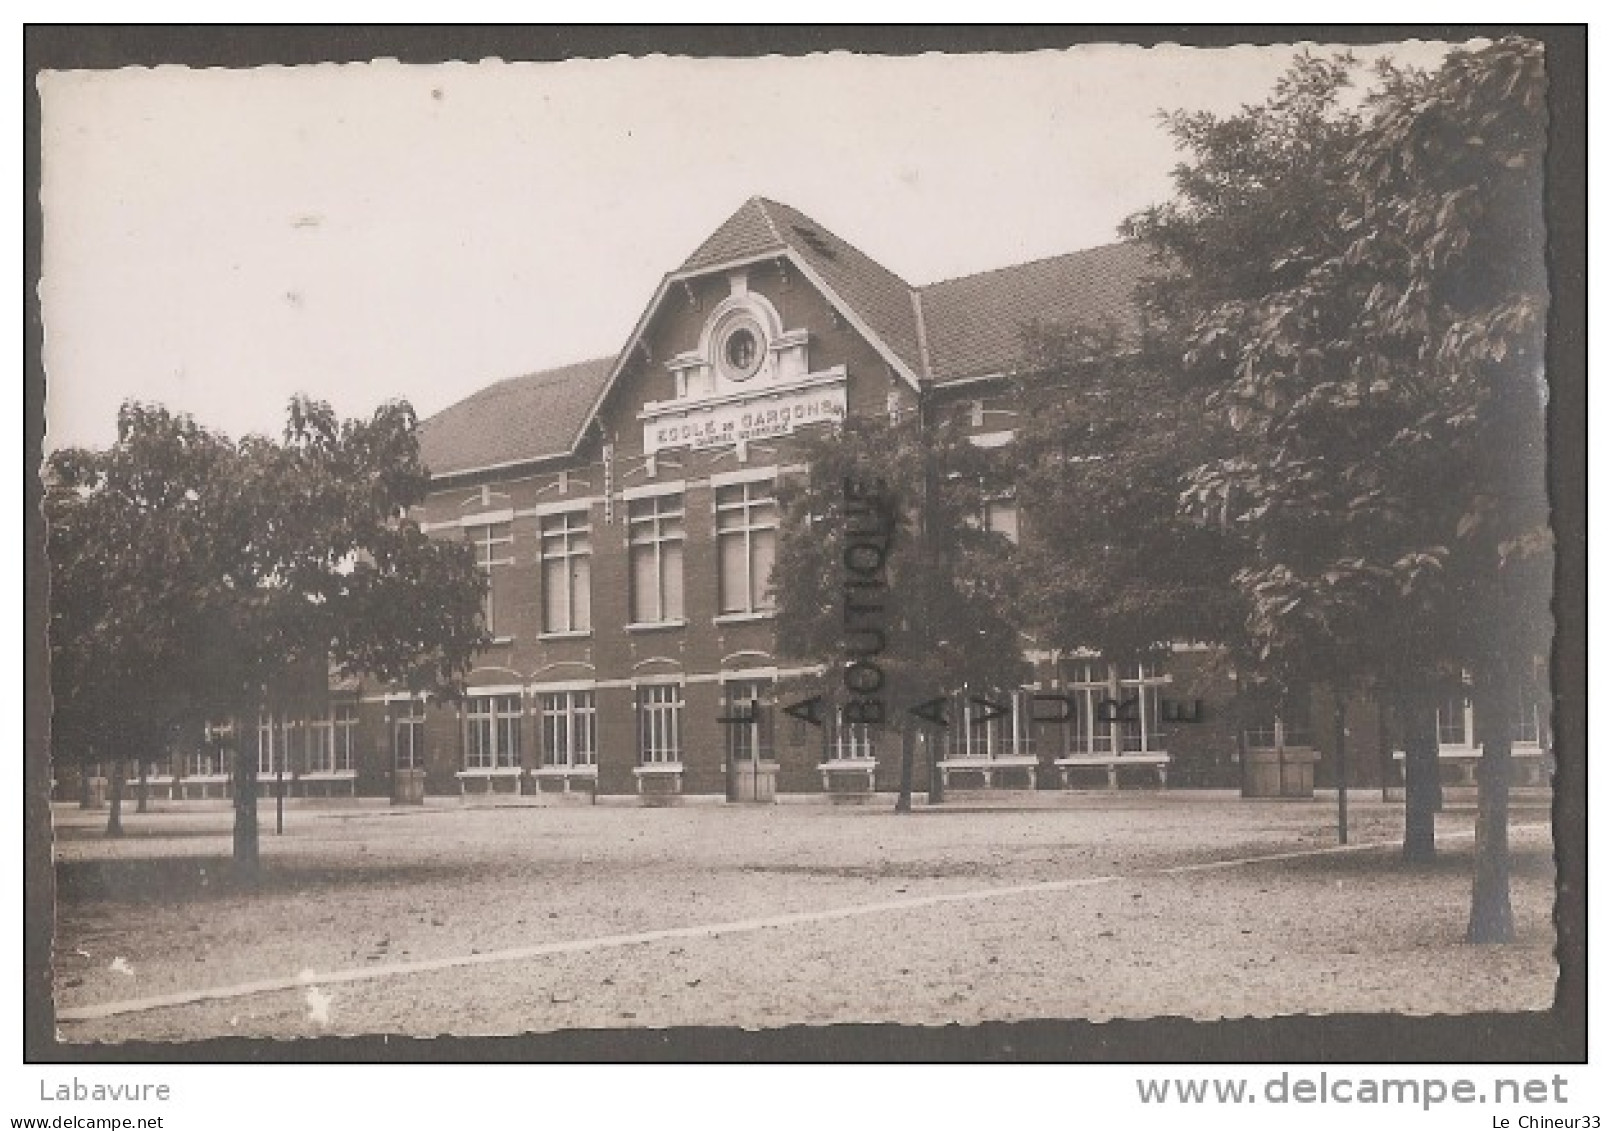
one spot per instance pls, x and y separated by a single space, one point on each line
655 625
499 640
491 772
1133 757
847 765
575 634
989 763
330 775
654 768
566 772
744 618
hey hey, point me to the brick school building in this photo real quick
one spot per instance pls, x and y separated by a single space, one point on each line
624 511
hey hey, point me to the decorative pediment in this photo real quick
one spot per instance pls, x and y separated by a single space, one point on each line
744 346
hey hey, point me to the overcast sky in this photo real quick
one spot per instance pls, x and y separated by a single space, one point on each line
219 240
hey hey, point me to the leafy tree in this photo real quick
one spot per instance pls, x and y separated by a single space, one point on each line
1268 192
126 531
1106 561
246 571
933 616
1390 391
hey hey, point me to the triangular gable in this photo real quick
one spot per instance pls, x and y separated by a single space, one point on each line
869 297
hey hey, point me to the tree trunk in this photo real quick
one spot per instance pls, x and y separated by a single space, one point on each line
903 802
1491 918
936 779
1423 792
142 791
244 783
1384 746
114 815
1339 737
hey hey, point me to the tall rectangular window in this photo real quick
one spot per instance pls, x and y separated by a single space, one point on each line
746 539
568 728
317 743
565 549
270 744
660 723
1454 723
344 737
654 540
1139 725
408 735
494 732
492 543
1083 734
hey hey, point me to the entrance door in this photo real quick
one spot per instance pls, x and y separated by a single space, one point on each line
751 768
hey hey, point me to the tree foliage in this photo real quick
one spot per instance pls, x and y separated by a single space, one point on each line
197 577
1386 390
940 612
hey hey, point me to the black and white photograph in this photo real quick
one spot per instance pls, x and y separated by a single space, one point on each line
756 543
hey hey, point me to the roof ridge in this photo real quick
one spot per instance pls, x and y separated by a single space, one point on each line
761 203
1025 263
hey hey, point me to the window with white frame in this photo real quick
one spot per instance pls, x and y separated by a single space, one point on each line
271 744
1084 735
660 723
565 548
493 542
569 728
1140 726
493 739
344 737
654 544
203 761
318 743
746 543
978 734
852 742
1117 709
1529 722
408 734
1454 722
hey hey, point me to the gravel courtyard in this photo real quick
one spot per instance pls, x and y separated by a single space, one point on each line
473 918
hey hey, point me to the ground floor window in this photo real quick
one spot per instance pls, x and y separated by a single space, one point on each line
344 737
569 728
493 723
271 744
851 742
1457 724
408 735
660 723
202 761
979 734
1116 708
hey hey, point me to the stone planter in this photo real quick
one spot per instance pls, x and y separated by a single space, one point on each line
408 787
1269 771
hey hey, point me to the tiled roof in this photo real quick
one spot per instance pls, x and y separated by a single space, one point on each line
529 417
874 293
971 326
975 325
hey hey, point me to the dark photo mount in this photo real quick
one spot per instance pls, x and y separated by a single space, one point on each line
805 330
